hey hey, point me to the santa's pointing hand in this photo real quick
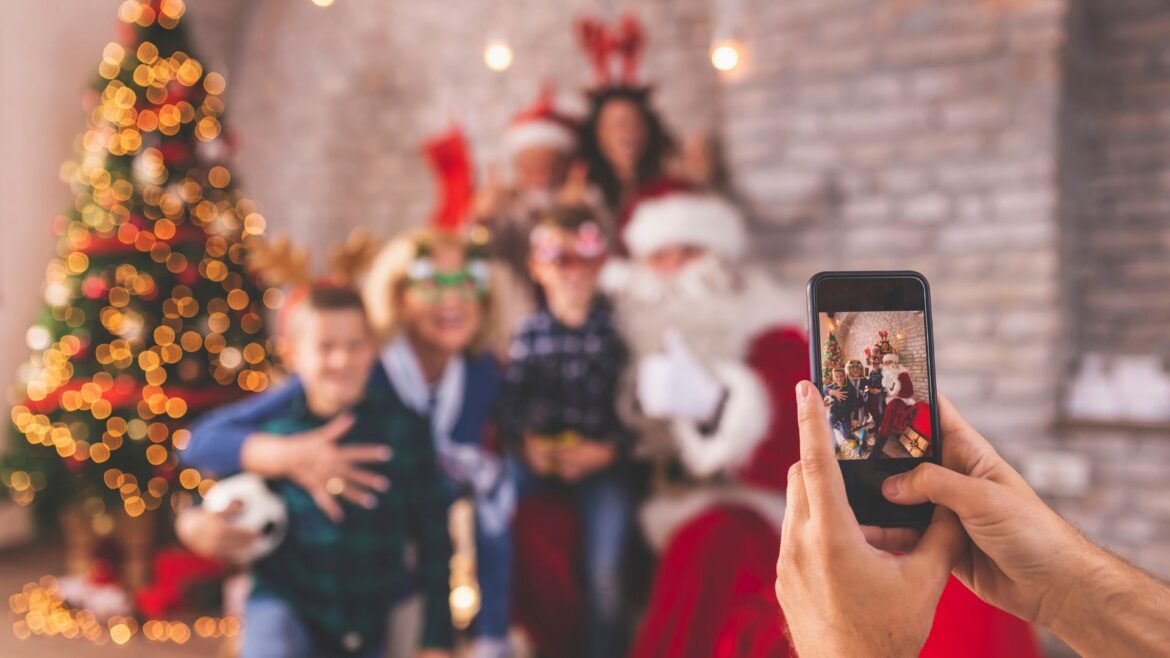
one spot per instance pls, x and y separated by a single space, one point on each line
675 385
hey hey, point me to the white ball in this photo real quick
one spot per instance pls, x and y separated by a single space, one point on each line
261 511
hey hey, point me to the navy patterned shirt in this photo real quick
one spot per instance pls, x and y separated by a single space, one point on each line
562 378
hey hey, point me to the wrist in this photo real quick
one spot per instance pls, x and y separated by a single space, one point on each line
269 455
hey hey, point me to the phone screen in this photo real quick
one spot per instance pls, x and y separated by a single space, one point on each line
872 354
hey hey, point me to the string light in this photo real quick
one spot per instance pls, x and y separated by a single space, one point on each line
498 56
726 55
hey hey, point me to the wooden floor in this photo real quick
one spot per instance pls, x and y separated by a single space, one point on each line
25 565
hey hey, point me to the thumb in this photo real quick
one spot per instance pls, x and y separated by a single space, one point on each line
963 494
676 345
336 428
942 543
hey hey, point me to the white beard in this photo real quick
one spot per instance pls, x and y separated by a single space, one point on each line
890 379
718 308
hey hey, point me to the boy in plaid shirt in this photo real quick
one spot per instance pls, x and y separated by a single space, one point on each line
359 488
557 404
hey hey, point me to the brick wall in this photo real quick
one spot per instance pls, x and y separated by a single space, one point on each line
916 135
1118 187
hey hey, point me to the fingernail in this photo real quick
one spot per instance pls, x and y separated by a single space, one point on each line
803 390
371 502
386 454
383 485
892 486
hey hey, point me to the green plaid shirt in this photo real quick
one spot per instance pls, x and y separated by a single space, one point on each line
342 578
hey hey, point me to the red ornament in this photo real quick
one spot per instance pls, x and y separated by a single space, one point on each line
94 287
187 275
174 152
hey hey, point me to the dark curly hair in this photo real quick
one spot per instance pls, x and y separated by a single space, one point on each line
651 164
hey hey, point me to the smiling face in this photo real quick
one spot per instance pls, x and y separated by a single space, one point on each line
332 351
839 376
568 277
445 310
622 134
540 167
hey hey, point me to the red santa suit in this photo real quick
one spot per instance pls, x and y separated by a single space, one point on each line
900 405
717 528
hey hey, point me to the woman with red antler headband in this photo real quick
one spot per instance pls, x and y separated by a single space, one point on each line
623 141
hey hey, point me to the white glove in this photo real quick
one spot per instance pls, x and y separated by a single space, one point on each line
675 384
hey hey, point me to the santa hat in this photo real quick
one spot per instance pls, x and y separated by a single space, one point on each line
673 212
541 125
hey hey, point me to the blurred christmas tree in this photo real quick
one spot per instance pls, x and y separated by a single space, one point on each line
150 314
831 358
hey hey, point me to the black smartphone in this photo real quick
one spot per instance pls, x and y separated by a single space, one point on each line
871 349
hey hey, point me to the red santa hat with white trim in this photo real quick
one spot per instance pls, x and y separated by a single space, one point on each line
675 212
541 124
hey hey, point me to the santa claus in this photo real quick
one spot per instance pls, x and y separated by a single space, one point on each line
717 348
900 404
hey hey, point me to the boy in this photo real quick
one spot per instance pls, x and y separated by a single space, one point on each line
843 401
558 405
353 508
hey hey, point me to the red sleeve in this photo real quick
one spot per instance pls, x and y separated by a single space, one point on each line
780 357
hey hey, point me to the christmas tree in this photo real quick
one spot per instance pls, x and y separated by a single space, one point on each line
150 314
831 358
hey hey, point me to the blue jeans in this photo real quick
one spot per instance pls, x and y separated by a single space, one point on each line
273 630
605 508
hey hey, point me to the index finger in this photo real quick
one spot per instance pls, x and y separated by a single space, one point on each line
365 453
818 461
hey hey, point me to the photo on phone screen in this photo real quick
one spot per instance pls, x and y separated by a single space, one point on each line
876 383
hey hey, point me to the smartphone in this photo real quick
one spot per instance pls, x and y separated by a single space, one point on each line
871 350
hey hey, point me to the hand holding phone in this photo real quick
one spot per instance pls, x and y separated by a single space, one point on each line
872 352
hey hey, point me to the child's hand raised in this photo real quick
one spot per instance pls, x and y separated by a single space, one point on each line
314 460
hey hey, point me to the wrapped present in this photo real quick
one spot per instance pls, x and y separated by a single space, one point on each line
917 435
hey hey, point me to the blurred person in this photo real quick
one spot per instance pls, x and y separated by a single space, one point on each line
624 144
358 476
716 347
540 144
557 407
990 530
428 300
844 401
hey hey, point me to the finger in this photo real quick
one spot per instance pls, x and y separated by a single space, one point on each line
674 341
941 544
966 496
796 501
237 539
891 540
328 504
336 428
359 496
367 479
233 508
365 453
818 461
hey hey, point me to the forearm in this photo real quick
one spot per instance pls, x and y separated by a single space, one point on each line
1112 608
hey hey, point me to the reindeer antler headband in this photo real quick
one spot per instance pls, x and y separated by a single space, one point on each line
601 43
